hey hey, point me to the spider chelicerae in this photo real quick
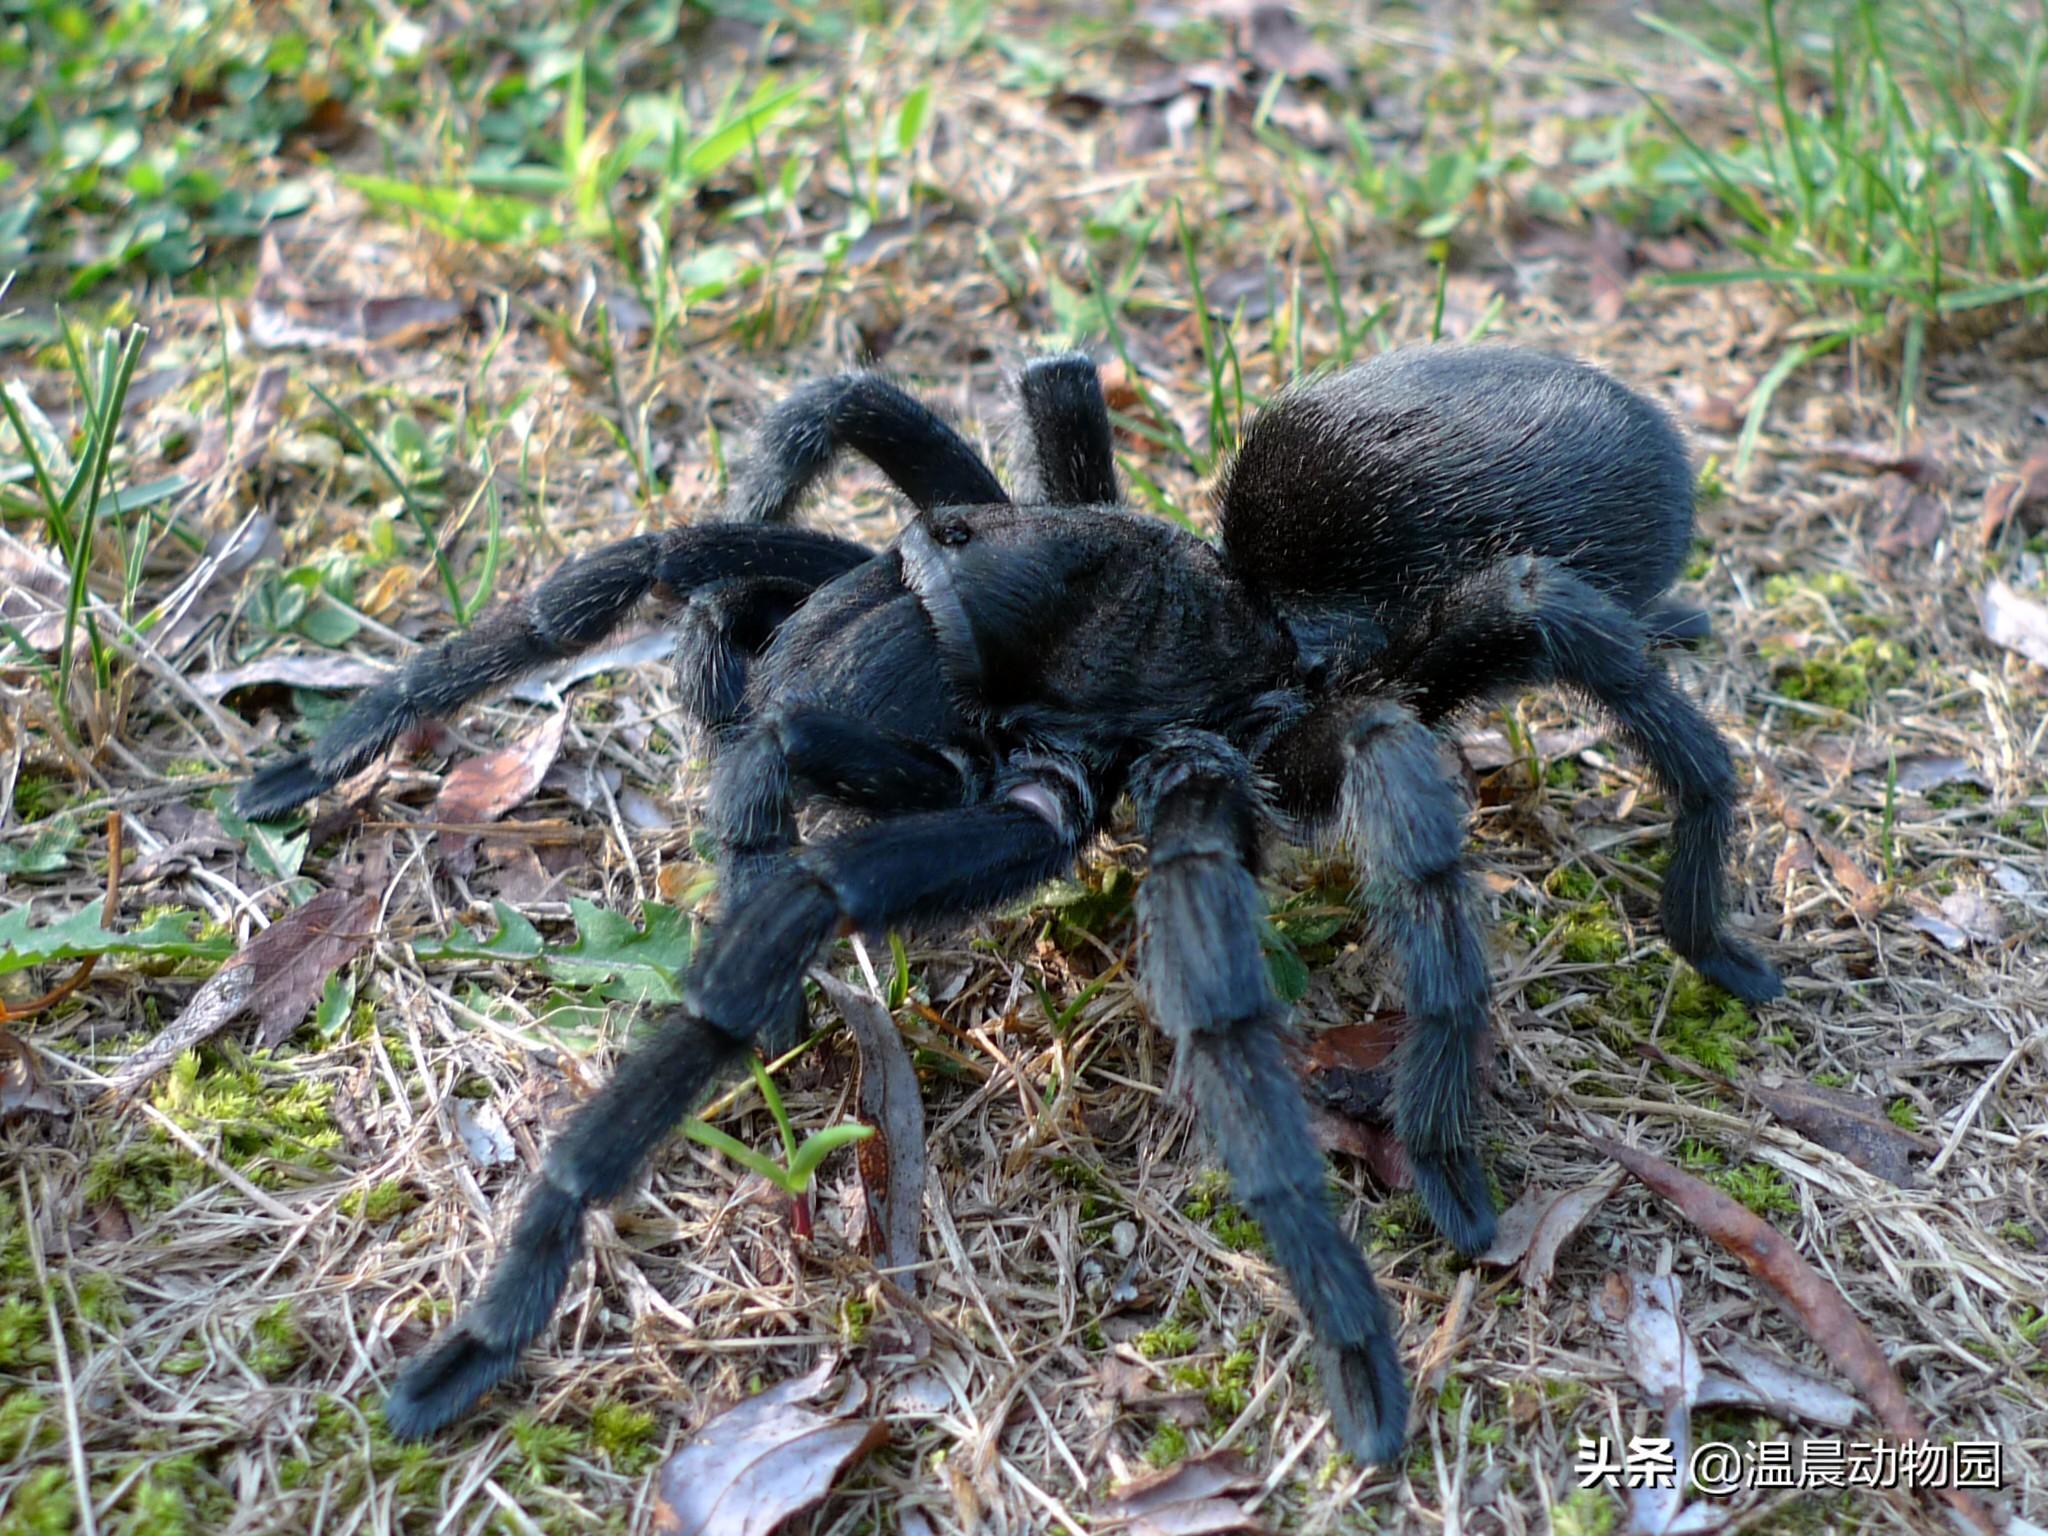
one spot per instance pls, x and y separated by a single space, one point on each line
1397 543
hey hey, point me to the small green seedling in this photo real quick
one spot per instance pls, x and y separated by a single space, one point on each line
793 1178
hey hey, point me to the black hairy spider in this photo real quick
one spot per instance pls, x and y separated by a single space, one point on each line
1398 542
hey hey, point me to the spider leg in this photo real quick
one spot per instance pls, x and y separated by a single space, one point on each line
1207 986
1067 456
725 625
750 971
1372 767
1561 629
899 434
570 611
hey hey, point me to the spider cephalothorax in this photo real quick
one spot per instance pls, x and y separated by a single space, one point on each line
1398 542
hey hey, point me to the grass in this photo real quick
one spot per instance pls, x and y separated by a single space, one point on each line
654 219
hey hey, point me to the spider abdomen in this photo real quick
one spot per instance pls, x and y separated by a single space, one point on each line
1380 486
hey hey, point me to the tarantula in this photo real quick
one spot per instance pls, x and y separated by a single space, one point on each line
1398 542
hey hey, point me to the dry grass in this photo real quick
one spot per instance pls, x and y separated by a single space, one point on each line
236 1293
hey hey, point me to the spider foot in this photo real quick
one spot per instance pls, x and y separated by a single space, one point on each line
1741 970
281 787
1459 1200
440 1387
1368 1397
483 1348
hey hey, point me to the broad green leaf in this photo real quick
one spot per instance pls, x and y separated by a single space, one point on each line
616 960
174 935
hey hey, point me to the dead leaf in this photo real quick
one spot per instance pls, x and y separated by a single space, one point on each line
1660 1355
284 314
484 788
1718 414
1191 1498
1856 1127
327 673
1489 749
1607 270
762 1460
1805 1292
22 1091
483 1133
1765 1380
278 975
1914 519
1941 930
1971 910
1280 44
2015 622
892 1161
1866 896
2011 495
1923 771
1874 459
1535 1227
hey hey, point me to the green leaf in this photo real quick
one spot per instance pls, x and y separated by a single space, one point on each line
48 853
910 121
492 220
174 935
615 960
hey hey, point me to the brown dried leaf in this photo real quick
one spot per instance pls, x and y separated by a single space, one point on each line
1535 1227
278 975
1875 459
892 1162
22 1091
763 1460
2015 622
283 314
1607 272
1189 1499
2011 495
1855 1127
1806 1293
485 788
1916 519
1866 896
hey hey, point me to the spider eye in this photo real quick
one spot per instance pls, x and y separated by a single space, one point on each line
951 534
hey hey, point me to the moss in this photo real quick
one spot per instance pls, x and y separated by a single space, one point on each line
1572 882
1209 1203
544 1447
1225 1387
1592 938
855 1314
38 796
1904 1114
1586 1512
1168 1445
380 1202
278 1343
176 1496
1763 1189
1700 1022
1788 591
45 1505
271 1130
623 1435
1167 1341
1844 677
27 1420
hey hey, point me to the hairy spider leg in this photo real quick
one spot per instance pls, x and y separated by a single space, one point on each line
572 610
795 444
1066 455
1526 620
790 750
1207 986
724 627
1370 770
931 865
